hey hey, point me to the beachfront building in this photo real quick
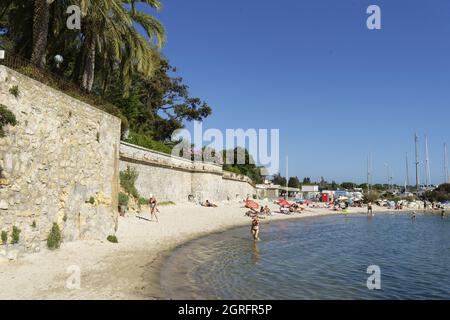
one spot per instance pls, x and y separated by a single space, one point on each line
292 192
274 191
311 192
268 190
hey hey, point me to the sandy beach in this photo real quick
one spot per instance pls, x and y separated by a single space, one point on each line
129 269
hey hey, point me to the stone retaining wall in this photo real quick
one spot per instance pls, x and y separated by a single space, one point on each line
61 154
175 179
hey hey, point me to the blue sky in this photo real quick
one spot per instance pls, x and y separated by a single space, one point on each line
311 68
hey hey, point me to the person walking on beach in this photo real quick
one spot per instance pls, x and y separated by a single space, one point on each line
255 228
153 204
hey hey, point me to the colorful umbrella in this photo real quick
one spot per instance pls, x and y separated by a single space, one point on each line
251 204
283 202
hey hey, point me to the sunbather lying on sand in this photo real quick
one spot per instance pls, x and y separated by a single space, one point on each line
209 204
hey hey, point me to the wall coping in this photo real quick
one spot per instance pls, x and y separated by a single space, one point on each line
225 174
165 154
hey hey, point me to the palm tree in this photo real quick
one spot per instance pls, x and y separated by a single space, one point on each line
41 17
109 31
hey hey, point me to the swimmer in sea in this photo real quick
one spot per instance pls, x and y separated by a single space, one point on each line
255 228
413 215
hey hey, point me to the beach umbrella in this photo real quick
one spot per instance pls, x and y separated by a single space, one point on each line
251 204
284 203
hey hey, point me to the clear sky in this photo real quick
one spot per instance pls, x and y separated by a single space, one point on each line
311 68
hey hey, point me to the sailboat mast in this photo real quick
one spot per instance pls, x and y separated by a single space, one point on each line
416 139
407 172
368 172
427 163
287 177
446 174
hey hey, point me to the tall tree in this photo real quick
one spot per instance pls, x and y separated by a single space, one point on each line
294 182
279 180
110 30
41 16
159 105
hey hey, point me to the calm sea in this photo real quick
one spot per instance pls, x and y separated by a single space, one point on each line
316 258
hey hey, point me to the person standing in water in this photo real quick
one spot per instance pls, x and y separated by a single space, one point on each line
369 208
413 217
255 228
153 203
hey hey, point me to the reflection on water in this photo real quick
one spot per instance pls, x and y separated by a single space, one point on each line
255 257
316 258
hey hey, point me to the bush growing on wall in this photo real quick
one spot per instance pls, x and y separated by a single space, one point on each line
127 180
147 142
15 235
54 237
6 117
4 237
123 199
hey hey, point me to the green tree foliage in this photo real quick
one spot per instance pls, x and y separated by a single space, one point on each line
294 182
109 38
159 105
306 180
379 187
147 142
334 185
348 185
440 194
279 180
249 168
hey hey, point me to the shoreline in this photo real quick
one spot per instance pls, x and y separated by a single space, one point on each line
131 268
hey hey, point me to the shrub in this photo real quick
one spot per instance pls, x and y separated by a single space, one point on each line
371 196
166 203
147 142
91 200
4 237
127 180
112 239
54 238
14 90
15 235
232 169
142 201
123 199
6 117
33 225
